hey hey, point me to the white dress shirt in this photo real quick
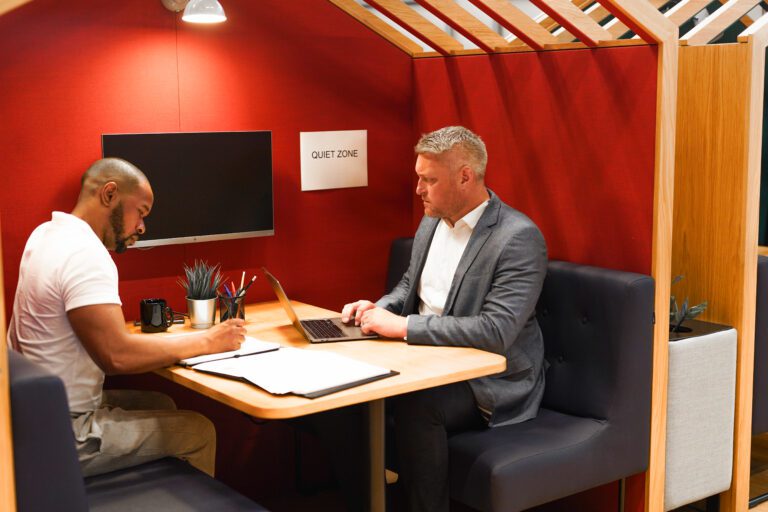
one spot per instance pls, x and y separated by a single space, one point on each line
443 258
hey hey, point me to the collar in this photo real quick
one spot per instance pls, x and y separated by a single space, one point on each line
472 218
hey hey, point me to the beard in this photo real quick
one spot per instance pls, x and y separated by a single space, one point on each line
118 229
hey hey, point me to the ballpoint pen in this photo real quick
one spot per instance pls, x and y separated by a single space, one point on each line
242 292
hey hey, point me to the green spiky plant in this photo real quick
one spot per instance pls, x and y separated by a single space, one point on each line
202 280
679 315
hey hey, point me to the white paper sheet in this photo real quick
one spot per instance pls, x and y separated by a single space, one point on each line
291 370
249 346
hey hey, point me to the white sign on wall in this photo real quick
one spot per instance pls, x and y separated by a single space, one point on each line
334 159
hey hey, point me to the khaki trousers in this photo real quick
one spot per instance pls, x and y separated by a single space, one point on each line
133 427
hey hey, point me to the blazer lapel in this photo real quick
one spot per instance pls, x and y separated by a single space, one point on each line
420 249
480 234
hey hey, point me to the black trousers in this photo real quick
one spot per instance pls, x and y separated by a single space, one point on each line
418 426
424 421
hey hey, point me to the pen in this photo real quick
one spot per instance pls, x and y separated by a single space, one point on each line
226 290
242 281
242 292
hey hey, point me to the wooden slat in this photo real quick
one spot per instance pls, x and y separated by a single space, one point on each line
646 21
757 33
549 24
7 486
716 210
417 25
517 22
8 5
718 22
574 20
614 27
379 26
465 24
685 10
613 43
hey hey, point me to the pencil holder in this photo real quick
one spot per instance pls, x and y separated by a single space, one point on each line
231 307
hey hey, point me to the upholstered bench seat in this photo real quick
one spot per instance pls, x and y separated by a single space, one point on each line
484 464
168 485
48 475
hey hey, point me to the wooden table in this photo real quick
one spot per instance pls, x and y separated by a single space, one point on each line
420 367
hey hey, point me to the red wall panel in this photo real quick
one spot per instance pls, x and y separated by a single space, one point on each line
570 137
72 71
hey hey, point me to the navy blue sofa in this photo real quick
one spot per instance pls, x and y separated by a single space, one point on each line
48 475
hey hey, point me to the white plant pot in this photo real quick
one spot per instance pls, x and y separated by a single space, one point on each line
202 313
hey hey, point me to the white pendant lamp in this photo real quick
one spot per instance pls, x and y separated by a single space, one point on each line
197 11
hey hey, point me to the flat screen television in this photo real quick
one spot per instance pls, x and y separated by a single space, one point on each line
207 186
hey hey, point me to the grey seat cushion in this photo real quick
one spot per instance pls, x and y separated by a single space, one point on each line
502 468
166 485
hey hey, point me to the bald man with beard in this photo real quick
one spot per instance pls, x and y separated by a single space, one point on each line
67 317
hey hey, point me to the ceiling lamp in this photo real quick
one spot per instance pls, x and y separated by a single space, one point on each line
197 11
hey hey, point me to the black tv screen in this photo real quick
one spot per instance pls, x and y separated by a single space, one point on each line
207 186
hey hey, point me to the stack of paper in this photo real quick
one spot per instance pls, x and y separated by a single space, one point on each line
248 347
309 373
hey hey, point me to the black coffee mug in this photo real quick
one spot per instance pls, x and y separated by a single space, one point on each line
156 316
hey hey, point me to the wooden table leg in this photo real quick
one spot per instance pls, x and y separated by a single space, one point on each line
376 450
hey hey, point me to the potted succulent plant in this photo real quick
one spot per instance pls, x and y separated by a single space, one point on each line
679 315
201 282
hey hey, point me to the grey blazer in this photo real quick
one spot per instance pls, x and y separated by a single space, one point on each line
490 306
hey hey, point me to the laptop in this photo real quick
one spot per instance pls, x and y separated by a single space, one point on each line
317 330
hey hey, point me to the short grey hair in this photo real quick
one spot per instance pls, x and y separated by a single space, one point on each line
445 139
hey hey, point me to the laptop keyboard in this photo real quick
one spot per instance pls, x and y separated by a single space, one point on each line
323 329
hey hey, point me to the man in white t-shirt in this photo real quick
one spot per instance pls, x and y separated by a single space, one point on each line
67 317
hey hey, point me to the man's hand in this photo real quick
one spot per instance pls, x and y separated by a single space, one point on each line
225 336
355 310
384 323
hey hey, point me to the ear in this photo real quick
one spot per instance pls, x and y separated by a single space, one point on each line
466 175
108 193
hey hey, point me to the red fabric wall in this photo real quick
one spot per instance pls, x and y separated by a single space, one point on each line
570 138
74 70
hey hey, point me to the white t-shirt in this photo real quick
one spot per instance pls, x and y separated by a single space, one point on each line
64 266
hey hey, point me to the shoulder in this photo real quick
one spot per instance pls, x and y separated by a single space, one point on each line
515 224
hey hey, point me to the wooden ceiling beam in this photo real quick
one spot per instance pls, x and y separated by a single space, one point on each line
758 31
717 22
517 22
373 22
417 25
466 24
573 19
686 10
9 5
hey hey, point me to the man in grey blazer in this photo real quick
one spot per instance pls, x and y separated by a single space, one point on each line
475 275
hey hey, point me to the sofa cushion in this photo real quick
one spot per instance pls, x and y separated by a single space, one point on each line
166 485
